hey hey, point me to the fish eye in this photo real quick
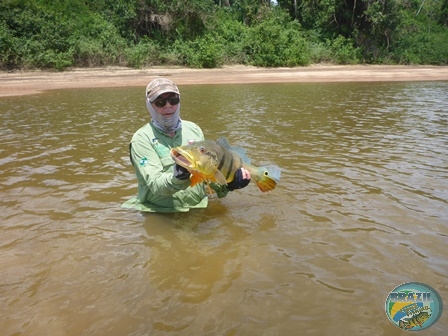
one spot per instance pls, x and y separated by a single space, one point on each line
202 149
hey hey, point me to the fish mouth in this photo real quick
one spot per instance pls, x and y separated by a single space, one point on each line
181 157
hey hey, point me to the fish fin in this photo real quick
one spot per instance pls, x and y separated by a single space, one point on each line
242 153
222 141
268 178
195 178
220 178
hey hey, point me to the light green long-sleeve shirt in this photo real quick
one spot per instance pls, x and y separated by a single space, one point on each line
158 189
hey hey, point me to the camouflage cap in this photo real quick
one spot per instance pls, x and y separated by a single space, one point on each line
159 86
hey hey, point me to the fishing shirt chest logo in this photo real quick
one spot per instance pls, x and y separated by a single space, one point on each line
161 150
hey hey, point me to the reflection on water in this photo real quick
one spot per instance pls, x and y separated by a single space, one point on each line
361 208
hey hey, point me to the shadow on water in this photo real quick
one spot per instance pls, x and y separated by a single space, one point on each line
361 208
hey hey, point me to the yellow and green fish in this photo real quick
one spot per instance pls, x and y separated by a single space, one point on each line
416 320
217 162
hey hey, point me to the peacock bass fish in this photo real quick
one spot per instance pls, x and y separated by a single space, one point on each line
217 162
414 321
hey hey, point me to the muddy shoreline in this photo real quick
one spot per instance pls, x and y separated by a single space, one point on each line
31 82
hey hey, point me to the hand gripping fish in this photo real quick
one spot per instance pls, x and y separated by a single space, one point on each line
217 162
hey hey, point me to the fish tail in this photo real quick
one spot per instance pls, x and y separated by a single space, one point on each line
267 178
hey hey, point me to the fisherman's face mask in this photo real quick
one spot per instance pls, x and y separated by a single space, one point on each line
165 122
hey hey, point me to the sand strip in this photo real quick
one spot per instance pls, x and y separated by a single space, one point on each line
22 83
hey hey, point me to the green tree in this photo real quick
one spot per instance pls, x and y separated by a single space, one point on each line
276 41
56 34
162 19
443 19
420 39
369 23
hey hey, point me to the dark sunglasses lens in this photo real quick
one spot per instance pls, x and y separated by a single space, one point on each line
160 102
171 100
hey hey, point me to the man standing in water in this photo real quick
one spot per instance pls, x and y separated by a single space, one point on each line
163 186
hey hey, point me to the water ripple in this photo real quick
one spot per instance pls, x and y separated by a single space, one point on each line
361 208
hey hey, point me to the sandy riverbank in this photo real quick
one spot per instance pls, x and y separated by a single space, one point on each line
22 83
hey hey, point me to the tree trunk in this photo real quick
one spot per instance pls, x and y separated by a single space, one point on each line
295 9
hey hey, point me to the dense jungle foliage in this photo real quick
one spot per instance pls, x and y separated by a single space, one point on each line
56 34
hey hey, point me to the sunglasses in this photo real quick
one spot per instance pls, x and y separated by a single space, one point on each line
162 102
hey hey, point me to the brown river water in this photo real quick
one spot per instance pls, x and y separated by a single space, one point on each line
362 207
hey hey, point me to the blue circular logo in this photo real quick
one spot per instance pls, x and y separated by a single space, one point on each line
414 306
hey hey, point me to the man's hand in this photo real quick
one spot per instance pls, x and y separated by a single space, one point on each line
180 172
241 179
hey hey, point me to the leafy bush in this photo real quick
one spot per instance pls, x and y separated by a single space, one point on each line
204 52
97 43
144 53
273 44
35 39
208 53
421 42
201 33
231 35
343 51
9 56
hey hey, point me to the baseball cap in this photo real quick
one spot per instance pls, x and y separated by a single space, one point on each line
159 86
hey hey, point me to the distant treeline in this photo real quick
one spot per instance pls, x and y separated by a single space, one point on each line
56 34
